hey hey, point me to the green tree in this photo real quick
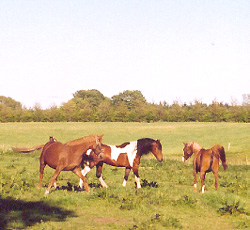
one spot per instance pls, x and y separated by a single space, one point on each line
93 96
10 110
104 111
9 102
131 99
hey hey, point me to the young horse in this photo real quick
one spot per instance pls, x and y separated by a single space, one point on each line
67 157
205 161
127 155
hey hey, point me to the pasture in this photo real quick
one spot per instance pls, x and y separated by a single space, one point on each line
165 201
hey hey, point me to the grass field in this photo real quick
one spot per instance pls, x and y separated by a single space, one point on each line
165 201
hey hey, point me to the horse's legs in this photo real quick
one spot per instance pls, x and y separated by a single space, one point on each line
53 179
42 166
202 175
137 178
127 171
195 180
84 173
55 185
77 171
99 174
216 176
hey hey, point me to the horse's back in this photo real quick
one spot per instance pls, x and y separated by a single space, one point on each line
52 153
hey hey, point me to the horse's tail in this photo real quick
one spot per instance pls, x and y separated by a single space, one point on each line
221 151
27 150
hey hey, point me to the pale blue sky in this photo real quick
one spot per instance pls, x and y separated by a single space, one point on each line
170 50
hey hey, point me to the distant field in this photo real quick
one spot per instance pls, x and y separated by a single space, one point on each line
165 201
237 135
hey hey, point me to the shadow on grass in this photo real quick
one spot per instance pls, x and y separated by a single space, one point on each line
22 214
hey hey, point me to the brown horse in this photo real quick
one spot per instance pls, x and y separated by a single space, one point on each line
127 155
67 157
205 160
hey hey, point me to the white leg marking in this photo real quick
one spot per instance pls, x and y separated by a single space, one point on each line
102 182
124 183
203 189
84 172
137 180
195 186
183 159
46 192
55 185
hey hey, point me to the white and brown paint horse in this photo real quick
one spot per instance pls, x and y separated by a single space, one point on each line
205 160
127 155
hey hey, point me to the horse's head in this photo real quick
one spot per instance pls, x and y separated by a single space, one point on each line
97 146
157 150
189 149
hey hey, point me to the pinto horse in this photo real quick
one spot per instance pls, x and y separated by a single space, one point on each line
127 155
67 157
205 160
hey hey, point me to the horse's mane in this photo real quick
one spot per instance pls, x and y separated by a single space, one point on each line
85 139
196 146
144 146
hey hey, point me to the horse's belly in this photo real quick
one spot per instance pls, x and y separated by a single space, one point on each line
122 160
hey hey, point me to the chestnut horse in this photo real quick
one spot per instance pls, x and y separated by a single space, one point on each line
205 160
127 155
67 157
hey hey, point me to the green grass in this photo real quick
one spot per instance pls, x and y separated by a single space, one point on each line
166 200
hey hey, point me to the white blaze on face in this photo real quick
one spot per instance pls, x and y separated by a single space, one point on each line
130 149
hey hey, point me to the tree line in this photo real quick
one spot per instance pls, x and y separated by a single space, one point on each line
128 106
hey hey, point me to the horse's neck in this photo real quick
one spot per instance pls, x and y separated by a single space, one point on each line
83 146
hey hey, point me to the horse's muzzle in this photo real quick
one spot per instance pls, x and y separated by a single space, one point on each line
160 160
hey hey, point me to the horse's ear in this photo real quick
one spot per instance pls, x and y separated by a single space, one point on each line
158 140
184 143
99 139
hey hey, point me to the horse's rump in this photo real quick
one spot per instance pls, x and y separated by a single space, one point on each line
220 152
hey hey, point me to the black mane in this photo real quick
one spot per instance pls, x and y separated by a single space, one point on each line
144 146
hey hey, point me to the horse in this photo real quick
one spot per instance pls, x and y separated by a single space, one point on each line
127 155
205 160
67 157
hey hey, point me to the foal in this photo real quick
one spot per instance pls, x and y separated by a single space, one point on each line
205 160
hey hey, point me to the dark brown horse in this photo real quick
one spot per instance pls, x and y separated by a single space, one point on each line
127 155
205 160
67 157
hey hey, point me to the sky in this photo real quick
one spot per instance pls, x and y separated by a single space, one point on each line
170 50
